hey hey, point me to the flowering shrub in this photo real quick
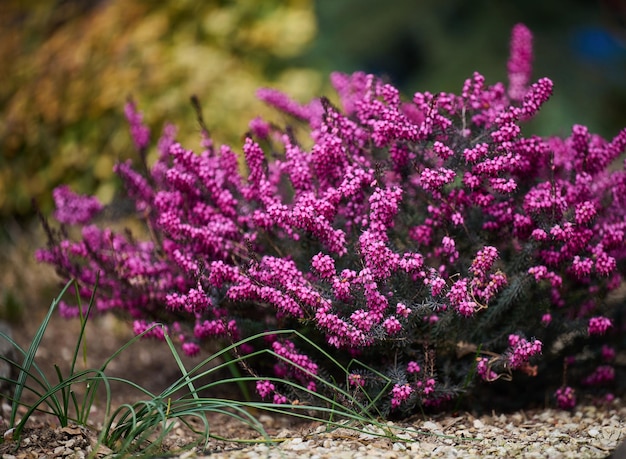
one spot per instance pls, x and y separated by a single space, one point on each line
429 240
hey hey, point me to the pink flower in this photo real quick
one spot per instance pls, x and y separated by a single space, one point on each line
324 265
392 325
522 350
72 208
581 267
448 247
520 62
279 399
402 225
413 367
400 393
283 103
265 388
608 353
259 128
484 261
539 234
442 150
149 329
585 211
565 398
190 349
305 366
139 132
602 375
355 379
483 370
474 154
434 179
403 310
599 325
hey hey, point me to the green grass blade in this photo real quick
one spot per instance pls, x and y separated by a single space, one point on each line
30 354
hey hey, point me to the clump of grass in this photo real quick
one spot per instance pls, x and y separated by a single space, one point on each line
57 398
143 426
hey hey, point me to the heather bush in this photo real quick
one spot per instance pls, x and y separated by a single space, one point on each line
427 242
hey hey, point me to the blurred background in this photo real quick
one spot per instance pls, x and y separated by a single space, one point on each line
68 66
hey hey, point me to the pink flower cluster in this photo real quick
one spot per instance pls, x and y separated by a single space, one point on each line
599 325
522 350
74 209
266 389
407 229
602 375
484 370
565 397
400 393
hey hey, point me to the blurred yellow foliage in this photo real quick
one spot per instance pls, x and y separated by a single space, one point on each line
69 67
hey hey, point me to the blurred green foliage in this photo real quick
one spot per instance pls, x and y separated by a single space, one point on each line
69 66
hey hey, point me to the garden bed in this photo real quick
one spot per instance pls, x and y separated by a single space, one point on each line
588 431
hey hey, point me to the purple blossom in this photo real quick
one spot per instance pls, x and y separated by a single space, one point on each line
137 186
403 310
392 325
260 128
565 398
356 380
283 103
139 132
279 399
608 353
520 62
601 376
72 208
427 387
190 349
522 350
484 371
535 97
400 393
324 265
599 325
434 179
351 88
305 368
413 367
210 328
265 388
483 262
152 330
474 154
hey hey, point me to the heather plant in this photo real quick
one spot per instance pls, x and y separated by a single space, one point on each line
430 245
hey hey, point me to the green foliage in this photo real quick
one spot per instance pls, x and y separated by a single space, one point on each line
69 69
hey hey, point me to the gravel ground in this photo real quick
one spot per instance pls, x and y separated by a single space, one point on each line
587 432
